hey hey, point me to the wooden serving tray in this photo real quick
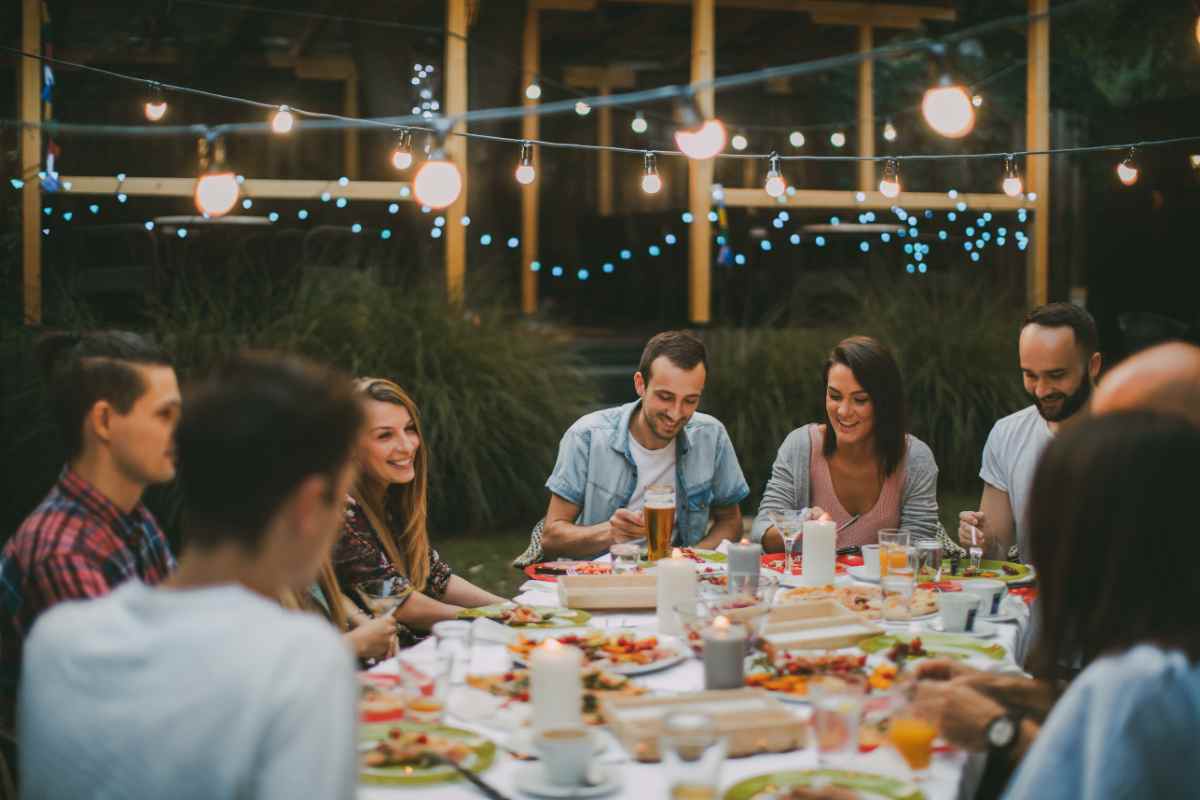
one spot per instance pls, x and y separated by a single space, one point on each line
751 720
597 592
817 624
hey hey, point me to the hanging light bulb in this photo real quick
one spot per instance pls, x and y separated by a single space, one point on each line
217 188
739 142
1012 179
1194 160
534 90
156 106
283 120
948 110
1127 170
651 183
582 108
402 155
796 139
889 131
698 138
639 124
889 186
525 171
438 182
837 139
775 184
977 100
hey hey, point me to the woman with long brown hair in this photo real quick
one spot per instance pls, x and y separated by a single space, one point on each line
384 536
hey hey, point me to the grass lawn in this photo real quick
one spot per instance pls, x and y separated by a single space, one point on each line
485 559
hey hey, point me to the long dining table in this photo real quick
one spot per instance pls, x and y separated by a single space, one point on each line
952 775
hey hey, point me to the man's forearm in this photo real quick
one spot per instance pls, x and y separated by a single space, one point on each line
562 538
725 526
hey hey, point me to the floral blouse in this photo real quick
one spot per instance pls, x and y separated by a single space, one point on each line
359 556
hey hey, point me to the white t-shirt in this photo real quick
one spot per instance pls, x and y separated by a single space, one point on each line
1009 460
653 467
203 693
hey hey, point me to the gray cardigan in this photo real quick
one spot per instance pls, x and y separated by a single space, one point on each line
788 487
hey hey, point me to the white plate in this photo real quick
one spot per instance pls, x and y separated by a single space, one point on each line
531 779
859 573
679 652
983 628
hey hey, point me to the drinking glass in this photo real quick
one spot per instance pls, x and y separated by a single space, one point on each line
897 591
975 551
624 557
659 512
453 649
789 524
912 735
381 596
692 755
889 539
837 703
929 560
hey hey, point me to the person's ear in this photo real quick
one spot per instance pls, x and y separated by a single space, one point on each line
100 420
639 384
1094 364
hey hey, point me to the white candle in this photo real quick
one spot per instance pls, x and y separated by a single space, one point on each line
556 685
676 586
744 559
820 552
724 654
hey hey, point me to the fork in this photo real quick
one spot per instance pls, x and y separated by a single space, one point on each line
483 786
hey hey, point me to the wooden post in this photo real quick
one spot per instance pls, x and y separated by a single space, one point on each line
31 161
350 136
866 111
530 58
604 177
456 146
1037 168
700 172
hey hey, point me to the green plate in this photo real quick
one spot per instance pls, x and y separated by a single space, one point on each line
711 556
868 785
563 617
483 753
1024 572
938 644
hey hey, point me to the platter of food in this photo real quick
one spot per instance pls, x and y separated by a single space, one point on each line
412 754
522 616
622 653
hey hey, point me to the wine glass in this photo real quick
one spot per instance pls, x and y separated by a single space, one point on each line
789 524
381 596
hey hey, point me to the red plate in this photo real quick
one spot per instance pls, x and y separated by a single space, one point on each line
943 586
1026 593
533 570
775 561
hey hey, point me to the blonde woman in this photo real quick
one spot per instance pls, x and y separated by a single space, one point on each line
384 535
368 638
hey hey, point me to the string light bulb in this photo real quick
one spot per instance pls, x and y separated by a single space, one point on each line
889 186
796 139
739 142
217 187
525 171
639 123
837 139
283 120
1012 179
438 182
889 131
948 110
533 91
156 106
651 183
698 138
1127 170
402 154
775 185
582 108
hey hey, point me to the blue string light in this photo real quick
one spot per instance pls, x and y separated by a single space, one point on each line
608 268
885 237
513 243
486 239
341 202
687 217
654 250
739 259
582 274
765 244
943 235
921 268
670 238
247 203
785 216
343 181
834 221
466 221
17 183
67 215
535 266
952 216
968 246
356 228
794 238
148 225
95 209
820 241
911 268
122 197
435 233
712 216
302 214
777 223
182 233
626 255
912 232
386 233
721 240
273 216
960 206
556 271
864 247
970 231
393 208
439 221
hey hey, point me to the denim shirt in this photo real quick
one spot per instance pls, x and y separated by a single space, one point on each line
596 471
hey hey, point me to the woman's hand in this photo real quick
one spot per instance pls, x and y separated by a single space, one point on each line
375 638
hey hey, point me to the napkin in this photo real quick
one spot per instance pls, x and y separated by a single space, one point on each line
486 630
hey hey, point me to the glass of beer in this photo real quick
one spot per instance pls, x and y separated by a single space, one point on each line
659 512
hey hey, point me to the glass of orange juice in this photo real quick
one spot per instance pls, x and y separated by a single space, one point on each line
893 549
912 737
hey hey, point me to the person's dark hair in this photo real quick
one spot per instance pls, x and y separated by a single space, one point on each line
1067 315
1116 561
83 369
877 372
257 427
683 349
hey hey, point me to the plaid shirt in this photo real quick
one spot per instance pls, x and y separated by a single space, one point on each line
76 544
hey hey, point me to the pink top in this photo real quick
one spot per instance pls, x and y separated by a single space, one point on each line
865 529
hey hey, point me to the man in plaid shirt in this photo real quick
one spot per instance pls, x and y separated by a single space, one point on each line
117 402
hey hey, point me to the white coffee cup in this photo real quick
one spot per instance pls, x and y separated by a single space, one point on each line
958 611
870 556
991 594
566 753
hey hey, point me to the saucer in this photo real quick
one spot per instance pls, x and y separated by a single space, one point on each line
859 573
983 628
521 741
531 779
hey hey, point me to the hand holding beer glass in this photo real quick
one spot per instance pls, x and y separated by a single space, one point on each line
659 513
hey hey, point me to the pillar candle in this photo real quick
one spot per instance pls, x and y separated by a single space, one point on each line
724 654
745 559
556 685
676 581
820 552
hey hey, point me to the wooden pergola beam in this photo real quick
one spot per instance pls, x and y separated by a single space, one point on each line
700 173
530 64
866 110
874 201
1037 168
31 161
266 188
823 12
457 24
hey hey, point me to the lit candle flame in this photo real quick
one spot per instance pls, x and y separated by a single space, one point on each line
676 553
552 645
721 622
744 541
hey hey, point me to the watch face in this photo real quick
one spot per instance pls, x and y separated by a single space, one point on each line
1001 731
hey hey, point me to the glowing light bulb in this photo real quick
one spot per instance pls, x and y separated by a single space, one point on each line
651 182
533 91
582 109
889 186
1127 171
639 124
838 139
948 110
156 106
739 142
775 185
1012 179
704 142
525 172
283 120
1194 160
216 192
438 182
977 100
402 154
889 132
796 139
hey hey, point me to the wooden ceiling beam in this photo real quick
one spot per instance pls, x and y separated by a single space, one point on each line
592 77
823 12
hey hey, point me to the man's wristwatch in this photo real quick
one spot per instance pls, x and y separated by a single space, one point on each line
1003 731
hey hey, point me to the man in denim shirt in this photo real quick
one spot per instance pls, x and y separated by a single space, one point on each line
608 458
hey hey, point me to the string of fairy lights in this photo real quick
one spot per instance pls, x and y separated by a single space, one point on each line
948 108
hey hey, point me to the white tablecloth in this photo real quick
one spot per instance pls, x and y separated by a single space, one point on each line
951 776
